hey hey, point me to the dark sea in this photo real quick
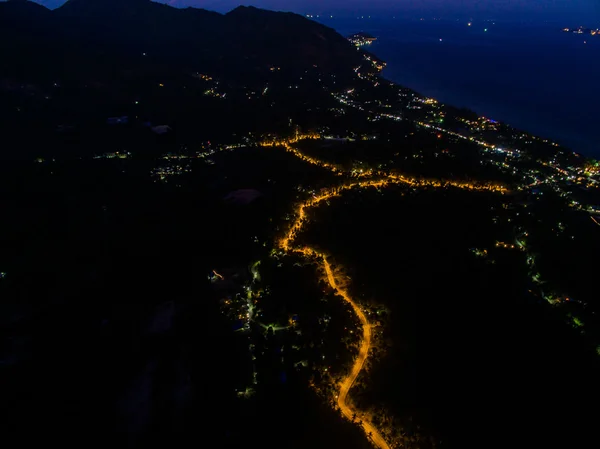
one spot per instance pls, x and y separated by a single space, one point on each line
530 75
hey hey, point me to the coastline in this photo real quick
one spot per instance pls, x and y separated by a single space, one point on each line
463 71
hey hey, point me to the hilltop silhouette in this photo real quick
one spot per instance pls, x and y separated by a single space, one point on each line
88 35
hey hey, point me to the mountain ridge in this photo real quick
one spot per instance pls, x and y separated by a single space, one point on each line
178 36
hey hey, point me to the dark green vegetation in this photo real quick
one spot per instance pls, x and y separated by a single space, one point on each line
110 326
475 355
111 330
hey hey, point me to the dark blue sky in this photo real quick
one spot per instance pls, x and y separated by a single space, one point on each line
552 10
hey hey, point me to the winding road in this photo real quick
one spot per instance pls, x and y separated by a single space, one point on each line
363 353
286 244
365 344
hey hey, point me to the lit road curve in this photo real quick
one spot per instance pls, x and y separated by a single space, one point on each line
365 344
371 174
286 244
363 353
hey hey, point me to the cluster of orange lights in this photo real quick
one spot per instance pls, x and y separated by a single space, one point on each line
508 246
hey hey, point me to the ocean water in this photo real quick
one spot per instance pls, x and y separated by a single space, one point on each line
530 75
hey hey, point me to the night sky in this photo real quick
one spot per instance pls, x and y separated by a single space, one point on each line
551 10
